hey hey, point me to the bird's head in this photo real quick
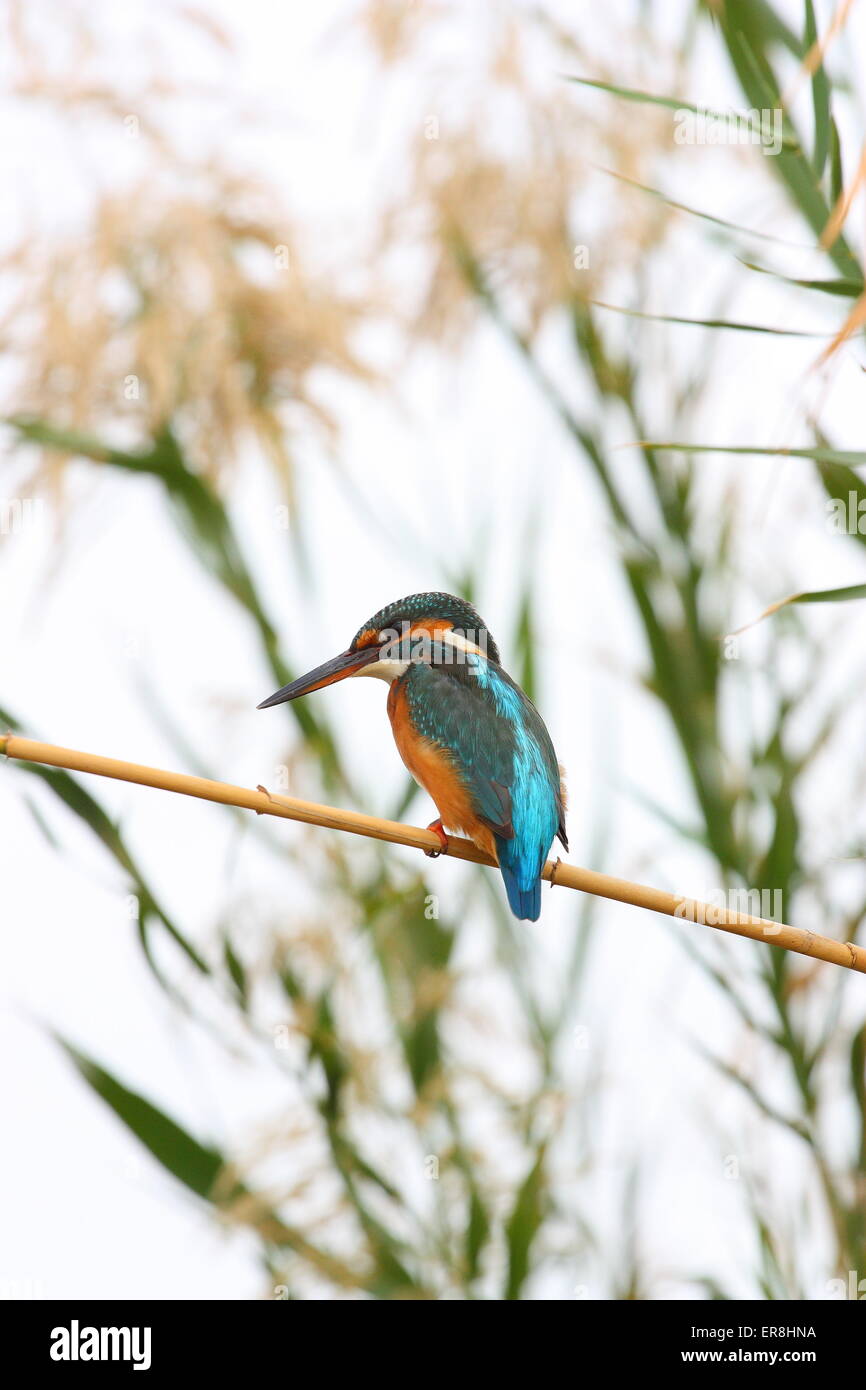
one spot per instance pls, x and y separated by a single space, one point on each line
423 627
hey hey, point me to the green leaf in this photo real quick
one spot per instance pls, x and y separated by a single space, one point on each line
77 799
850 458
359 1166
837 173
779 865
421 1044
790 1122
852 591
712 323
847 288
237 973
704 216
749 28
714 1291
41 822
820 97
206 523
768 28
477 1231
204 1170
525 645
858 1087
324 1044
846 492
844 595
741 121
523 1225
196 1165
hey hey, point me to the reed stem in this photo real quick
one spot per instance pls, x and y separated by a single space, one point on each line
263 802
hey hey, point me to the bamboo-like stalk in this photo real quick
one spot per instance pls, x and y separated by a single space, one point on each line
263 802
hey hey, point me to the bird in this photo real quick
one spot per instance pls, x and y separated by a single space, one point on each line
465 730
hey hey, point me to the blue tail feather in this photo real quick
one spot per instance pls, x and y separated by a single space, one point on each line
524 890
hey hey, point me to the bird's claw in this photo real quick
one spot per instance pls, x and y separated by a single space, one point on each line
437 828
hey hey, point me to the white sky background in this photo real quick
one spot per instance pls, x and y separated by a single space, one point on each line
91 1215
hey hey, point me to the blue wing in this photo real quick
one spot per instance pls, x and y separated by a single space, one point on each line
505 757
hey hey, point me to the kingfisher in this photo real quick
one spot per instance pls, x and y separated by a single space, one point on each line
465 730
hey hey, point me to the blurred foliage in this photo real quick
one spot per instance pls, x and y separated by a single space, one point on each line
412 1169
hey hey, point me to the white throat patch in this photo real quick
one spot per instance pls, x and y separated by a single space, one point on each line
386 670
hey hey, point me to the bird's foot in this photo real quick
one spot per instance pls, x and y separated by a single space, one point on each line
438 829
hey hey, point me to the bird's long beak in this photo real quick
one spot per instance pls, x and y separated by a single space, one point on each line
337 669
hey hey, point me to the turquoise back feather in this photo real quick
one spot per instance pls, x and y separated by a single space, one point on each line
501 749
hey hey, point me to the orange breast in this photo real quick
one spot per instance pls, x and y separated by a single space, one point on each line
433 768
